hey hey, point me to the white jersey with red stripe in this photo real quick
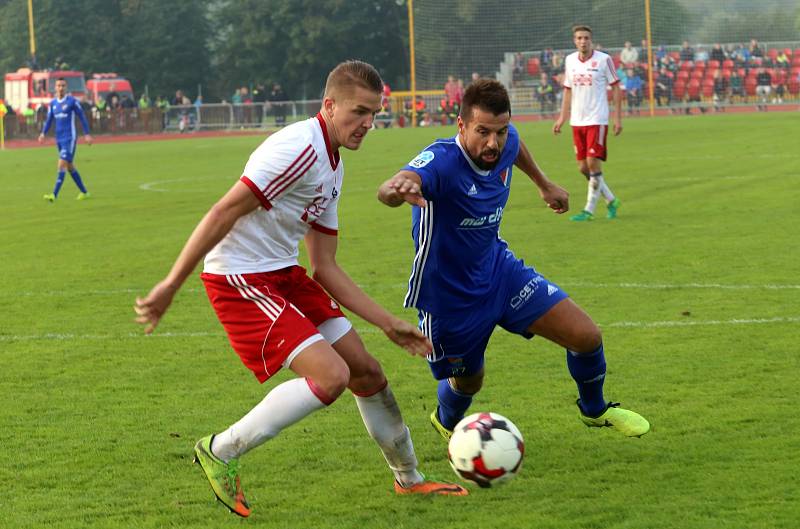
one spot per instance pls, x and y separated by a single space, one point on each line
588 79
297 179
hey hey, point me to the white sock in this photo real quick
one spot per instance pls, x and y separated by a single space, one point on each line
604 189
592 195
285 405
384 423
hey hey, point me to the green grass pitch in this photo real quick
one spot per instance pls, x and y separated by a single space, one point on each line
695 286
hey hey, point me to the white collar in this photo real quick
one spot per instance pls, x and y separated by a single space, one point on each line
475 168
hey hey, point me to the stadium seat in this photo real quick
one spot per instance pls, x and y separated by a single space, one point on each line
683 75
794 86
616 60
742 72
697 74
772 53
675 55
726 74
679 91
533 66
713 64
779 75
693 89
727 64
750 86
796 58
687 65
699 64
788 52
710 73
708 88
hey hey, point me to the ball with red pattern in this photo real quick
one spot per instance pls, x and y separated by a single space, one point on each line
486 449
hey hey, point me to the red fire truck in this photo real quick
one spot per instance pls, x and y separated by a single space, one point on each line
28 88
102 84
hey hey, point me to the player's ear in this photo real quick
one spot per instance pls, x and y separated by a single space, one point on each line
327 105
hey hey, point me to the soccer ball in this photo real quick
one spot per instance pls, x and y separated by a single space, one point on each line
486 449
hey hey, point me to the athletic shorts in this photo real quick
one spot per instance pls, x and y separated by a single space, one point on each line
459 340
270 317
590 141
66 150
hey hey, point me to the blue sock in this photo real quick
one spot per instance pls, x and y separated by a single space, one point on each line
589 372
76 176
452 404
59 182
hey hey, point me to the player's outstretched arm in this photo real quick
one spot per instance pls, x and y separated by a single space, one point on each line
566 101
238 201
327 272
616 95
554 196
405 186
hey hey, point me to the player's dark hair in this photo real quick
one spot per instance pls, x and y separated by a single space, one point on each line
353 72
486 94
581 27
61 79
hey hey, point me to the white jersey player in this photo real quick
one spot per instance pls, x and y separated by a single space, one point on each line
274 314
587 74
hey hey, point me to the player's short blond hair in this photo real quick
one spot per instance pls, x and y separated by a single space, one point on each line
349 74
581 27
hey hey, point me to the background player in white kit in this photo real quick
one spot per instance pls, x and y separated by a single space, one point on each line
587 72
274 314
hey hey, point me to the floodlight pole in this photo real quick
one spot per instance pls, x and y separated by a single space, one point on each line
30 30
410 4
649 57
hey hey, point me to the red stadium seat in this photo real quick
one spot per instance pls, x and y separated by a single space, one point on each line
683 75
708 88
616 60
679 91
675 55
772 53
713 64
796 58
788 52
727 64
710 73
687 65
699 64
779 75
794 86
533 66
742 72
750 86
726 74
697 74
693 88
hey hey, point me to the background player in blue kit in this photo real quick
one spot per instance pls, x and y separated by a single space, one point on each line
465 280
63 110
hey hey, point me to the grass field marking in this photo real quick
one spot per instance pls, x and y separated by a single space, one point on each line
683 323
372 330
150 186
667 286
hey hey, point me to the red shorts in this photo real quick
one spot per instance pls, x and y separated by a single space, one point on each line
269 315
590 141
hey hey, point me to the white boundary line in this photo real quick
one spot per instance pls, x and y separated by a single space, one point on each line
370 330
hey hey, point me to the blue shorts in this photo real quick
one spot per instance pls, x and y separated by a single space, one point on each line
459 341
66 149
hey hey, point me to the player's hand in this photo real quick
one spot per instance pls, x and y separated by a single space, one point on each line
557 125
408 337
88 139
41 138
154 305
555 197
617 128
408 190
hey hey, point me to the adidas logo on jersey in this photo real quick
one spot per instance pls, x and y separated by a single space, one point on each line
551 290
472 190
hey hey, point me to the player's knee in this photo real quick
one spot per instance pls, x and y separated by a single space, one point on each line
367 378
583 167
334 382
469 385
588 340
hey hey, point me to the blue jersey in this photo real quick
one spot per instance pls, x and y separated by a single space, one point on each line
63 113
459 252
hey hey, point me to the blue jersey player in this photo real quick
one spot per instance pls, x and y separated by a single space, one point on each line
62 111
465 280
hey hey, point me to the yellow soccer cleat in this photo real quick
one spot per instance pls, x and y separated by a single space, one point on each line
625 421
439 427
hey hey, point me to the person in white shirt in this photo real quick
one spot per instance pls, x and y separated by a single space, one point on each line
587 73
274 314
